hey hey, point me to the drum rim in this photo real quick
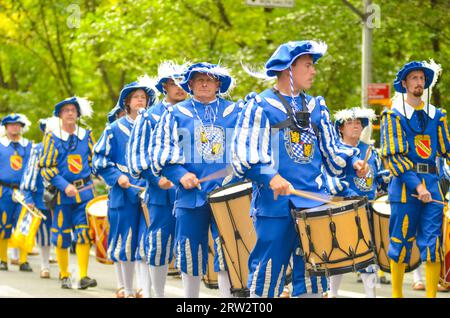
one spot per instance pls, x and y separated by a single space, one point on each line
94 200
231 195
361 201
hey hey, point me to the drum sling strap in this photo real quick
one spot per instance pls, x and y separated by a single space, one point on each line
290 122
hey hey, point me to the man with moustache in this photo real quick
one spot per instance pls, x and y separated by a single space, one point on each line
413 134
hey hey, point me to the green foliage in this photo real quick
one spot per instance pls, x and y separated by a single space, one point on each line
47 54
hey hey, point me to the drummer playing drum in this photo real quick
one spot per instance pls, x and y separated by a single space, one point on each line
277 160
350 124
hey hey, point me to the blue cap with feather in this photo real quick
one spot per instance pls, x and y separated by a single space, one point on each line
288 52
408 68
214 70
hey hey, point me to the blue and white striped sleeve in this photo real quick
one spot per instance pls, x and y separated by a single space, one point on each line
166 152
251 151
138 149
335 155
29 177
102 163
335 185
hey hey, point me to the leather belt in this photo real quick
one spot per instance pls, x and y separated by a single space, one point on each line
424 168
10 185
81 182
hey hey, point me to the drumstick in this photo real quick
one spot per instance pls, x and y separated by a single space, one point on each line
36 212
86 188
368 153
217 175
436 201
137 187
304 194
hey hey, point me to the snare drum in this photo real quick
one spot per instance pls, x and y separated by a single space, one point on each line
24 235
231 210
210 279
381 214
335 237
97 210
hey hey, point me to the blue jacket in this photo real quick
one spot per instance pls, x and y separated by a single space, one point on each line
180 145
14 157
261 151
139 159
377 179
404 145
110 162
65 159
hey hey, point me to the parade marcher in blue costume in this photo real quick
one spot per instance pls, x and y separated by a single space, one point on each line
66 164
279 150
413 134
124 205
14 154
188 143
349 124
32 187
160 192
115 114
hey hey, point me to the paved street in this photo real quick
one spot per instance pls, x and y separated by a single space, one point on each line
23 285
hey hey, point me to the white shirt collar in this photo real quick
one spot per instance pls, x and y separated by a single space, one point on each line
5 141
213 101
64 135
398 105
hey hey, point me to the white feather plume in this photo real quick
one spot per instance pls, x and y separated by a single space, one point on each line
53 123
259 73
437 69
319 47
23 119
85 106
355 112
170 69
147 81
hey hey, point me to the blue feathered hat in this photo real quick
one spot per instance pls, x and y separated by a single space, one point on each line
112 115
169 70
14 118
144 82
83 105
215 70
366 115
288 52
409 67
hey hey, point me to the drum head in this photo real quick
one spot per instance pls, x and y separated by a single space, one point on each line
98 206
334 207
229 192
382 206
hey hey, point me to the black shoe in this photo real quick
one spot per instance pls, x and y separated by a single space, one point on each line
66 283
3 266
25 267
86 282
384 280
